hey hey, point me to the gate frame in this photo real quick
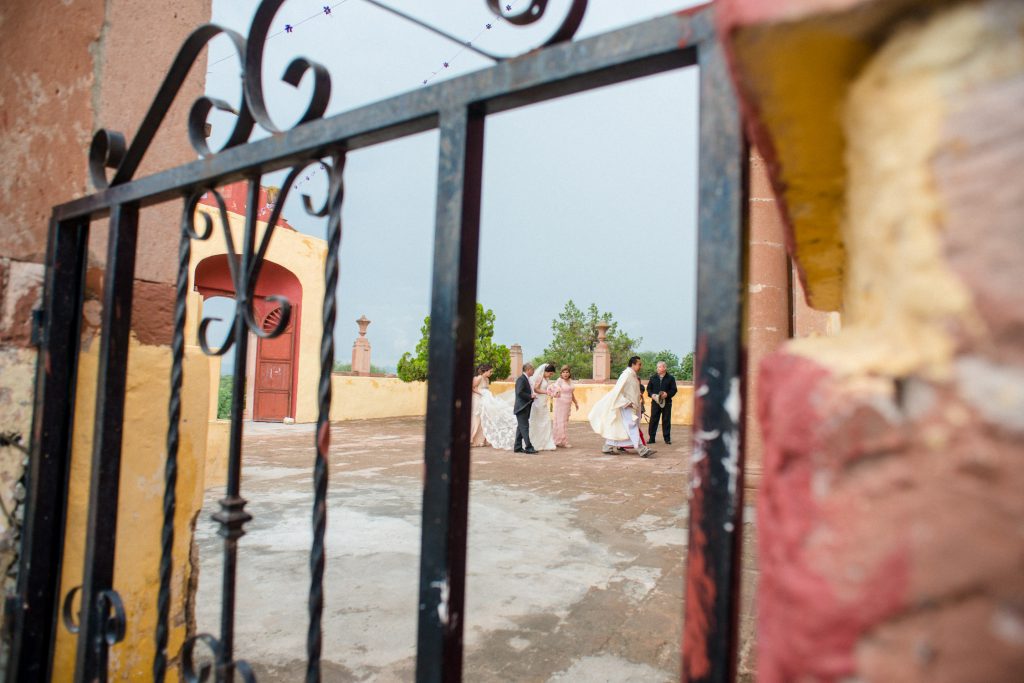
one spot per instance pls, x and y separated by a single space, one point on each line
458 108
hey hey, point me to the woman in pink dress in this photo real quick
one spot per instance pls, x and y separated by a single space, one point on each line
564 389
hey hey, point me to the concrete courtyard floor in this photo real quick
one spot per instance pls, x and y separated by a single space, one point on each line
575 560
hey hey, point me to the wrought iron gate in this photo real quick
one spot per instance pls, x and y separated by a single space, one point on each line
458 108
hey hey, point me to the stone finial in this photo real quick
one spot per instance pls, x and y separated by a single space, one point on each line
361 348
602 354
515 353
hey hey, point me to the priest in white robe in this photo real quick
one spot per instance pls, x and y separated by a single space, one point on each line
616 417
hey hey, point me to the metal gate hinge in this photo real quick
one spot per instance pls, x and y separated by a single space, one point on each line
38 327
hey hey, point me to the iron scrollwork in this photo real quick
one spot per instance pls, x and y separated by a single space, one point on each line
535 12
110 150
530 15
110 609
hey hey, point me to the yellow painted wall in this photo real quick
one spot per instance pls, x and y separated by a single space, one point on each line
304 256
360 398
140 506
218 437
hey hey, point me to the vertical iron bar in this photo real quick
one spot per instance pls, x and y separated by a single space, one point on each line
232 516
101 532
314 636
42 540
173 438
716 487
449 398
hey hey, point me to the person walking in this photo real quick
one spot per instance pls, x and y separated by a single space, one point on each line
522 408
565 400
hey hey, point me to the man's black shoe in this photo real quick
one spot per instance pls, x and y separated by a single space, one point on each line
530 451
667 442
653 441
517 450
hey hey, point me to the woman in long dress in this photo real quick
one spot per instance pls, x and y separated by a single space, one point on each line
481 383
565 399
541 428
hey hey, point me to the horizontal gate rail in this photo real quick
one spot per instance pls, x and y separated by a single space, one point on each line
641 50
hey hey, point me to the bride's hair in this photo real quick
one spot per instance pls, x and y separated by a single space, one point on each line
481 369
550 367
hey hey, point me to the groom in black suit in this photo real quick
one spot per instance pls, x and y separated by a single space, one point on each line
524 402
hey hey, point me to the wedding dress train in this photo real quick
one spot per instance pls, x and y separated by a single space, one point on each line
499 420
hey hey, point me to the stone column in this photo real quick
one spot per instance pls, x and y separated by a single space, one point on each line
361 349
768 298
602 355
516 355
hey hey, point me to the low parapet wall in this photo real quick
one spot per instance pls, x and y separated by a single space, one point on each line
361 398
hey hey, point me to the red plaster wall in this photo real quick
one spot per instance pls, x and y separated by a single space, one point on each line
70 68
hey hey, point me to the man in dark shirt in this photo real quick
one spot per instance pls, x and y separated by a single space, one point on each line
661 388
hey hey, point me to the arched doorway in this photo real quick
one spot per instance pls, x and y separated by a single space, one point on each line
273 363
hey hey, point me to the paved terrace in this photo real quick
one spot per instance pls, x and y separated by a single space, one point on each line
575 569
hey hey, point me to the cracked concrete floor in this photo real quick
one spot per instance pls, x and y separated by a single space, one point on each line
575 559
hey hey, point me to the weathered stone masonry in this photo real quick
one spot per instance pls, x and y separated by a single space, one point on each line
890 514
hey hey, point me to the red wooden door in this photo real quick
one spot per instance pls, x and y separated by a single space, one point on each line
275 363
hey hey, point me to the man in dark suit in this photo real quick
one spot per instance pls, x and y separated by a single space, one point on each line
524 402
661 388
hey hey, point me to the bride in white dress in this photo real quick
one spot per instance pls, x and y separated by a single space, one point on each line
542 433
499 421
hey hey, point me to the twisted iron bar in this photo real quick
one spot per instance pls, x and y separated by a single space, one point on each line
173 437
335 197
245 263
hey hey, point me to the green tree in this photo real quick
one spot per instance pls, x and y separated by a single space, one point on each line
574 338
224 397
686 368
651 359
413 366
681 369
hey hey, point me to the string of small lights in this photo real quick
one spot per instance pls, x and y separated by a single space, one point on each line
469 43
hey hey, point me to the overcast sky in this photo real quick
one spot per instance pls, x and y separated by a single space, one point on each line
581 186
